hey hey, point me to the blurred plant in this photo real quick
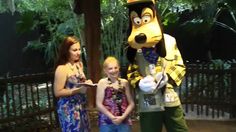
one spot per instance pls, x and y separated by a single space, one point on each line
3 5
192 23
221 64
52 18
114 23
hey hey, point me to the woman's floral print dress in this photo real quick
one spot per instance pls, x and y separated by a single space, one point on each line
71 110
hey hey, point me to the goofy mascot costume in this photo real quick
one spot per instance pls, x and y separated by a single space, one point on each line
156 68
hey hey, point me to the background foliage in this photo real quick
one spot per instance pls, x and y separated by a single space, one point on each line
54 19
114 23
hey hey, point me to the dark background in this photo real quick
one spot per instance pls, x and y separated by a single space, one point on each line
13 61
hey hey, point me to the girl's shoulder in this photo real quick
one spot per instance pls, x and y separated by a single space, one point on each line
102 83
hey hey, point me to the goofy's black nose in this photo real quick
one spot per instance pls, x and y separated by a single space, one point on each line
141 38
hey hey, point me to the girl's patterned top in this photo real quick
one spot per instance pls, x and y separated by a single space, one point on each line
116 102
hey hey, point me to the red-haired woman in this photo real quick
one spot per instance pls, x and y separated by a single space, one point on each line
71 96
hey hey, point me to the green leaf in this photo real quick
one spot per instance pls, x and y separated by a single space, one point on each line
26 22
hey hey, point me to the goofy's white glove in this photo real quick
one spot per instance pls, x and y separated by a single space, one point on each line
147 84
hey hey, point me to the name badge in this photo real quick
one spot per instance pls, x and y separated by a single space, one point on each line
149 99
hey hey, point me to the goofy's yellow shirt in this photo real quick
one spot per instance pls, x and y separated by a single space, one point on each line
175 70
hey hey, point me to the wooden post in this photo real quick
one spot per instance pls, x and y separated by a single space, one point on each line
91 10
233 90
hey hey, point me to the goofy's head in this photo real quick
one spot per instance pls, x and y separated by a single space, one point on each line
145 31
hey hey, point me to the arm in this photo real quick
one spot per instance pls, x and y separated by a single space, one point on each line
133 75
99 99
81 70
176 70
59 83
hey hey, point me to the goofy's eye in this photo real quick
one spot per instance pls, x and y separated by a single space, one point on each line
137 20
146 18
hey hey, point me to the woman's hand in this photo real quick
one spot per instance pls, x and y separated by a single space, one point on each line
83 89
88 81
79 89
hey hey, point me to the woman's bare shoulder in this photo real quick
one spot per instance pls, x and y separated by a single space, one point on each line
61 69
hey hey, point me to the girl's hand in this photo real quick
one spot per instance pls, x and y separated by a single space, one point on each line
118 120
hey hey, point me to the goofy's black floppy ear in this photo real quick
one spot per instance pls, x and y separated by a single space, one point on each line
161 48
130 53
